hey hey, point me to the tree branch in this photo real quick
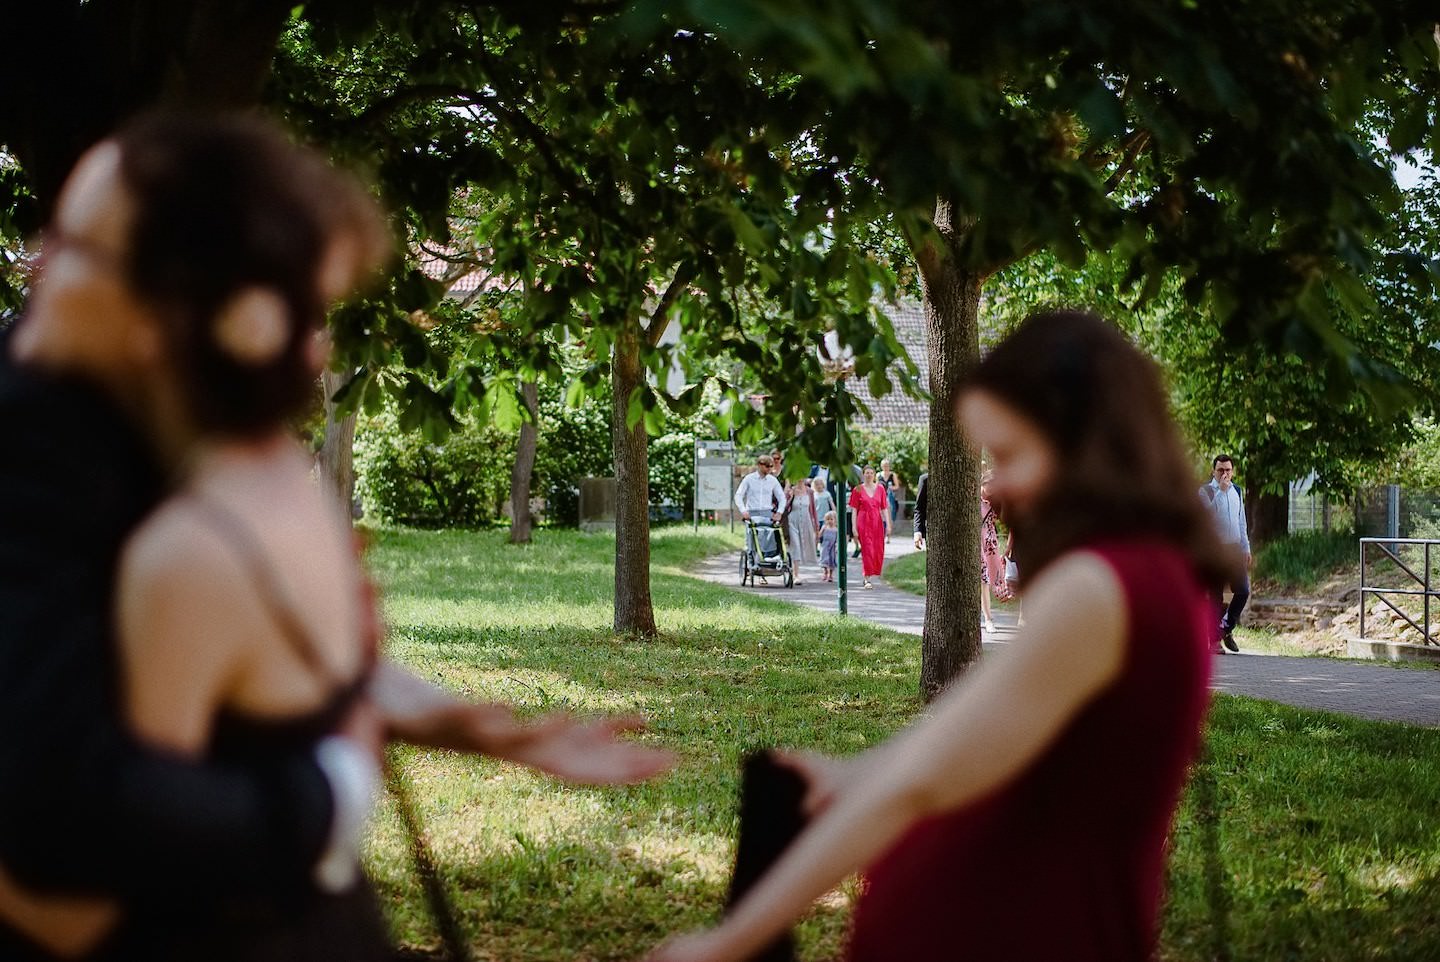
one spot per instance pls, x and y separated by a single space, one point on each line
1134 144
385 106
658 319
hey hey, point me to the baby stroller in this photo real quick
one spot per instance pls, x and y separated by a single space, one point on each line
764 554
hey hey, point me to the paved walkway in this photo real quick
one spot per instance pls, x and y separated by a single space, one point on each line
1381 692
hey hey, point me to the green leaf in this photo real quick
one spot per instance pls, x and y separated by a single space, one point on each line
844 456
1411 127
1354 296
575 393
635 409
747 232
1102 112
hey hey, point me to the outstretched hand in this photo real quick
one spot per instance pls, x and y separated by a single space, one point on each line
590 752
824 776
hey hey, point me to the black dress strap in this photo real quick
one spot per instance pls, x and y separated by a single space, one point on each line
272 593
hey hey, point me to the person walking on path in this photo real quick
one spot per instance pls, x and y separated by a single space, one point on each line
891 480
872 524
803 524
1021 777
992 562
824 501
761 498
1226 501
921 505
829 541
1012 571
759 494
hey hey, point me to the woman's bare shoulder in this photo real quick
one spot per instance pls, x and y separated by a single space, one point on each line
177 546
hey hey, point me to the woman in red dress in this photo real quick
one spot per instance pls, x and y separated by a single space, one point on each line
871 503
1024 816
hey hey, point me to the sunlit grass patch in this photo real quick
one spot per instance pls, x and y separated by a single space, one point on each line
1303 836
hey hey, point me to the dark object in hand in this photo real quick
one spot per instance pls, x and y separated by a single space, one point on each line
771 816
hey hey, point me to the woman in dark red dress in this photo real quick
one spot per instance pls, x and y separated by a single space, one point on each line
1024 817
871 503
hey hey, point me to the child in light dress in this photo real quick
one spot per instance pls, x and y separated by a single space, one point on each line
824 503
829 541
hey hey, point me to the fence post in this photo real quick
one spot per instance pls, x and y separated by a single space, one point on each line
1363 600
1392 512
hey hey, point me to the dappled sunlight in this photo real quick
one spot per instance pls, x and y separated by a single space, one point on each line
525 610
1315 835
1385 877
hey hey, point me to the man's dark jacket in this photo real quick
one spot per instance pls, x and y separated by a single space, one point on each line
922 503
83 806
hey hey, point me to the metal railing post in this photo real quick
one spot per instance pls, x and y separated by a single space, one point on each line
1362 589
1424 582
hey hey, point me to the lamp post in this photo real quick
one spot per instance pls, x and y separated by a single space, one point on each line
842 550
839 361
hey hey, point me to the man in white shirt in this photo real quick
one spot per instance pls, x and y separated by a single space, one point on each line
1226 502
760 493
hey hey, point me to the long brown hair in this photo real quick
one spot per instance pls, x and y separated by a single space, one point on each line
1123 471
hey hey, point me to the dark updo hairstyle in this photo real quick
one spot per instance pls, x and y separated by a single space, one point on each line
1122 469
224 204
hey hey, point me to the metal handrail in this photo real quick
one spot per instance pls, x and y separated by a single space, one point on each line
1426 590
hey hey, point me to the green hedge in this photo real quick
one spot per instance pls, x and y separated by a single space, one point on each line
464 481
404 479
574 443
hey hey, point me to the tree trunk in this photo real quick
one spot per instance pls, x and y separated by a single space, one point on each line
524 468
337 455
633 609
951 640
1268 515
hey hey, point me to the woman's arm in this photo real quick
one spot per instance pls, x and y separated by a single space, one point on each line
973 742
587 752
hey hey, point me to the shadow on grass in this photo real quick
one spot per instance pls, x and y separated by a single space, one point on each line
1204 791
566 894
1302 835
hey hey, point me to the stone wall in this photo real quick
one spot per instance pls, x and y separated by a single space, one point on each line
1294 614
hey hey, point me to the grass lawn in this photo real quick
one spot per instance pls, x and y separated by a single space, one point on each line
1304 836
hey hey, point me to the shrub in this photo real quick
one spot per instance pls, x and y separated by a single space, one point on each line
465 480
574 443
672 471
1305 559
405 479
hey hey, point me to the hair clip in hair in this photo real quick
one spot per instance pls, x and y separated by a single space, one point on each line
253 326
